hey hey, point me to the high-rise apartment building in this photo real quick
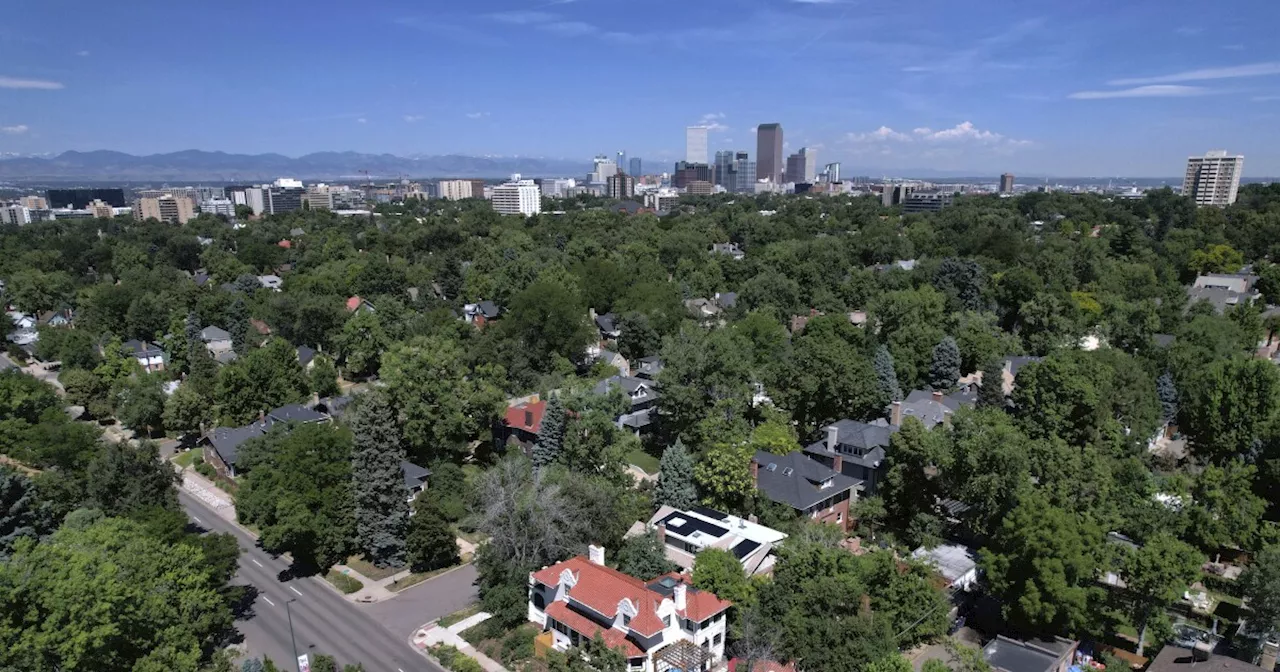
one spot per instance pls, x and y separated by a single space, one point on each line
831 173
101 210
455 190
318 197
695 144
1213 179
1006 183
802 166
769 155
19 215
634 168
219 206
517 197
166 208
620 185
34 202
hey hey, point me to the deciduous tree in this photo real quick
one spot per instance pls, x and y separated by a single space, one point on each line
644 556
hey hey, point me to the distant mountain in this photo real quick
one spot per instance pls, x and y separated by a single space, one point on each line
196 165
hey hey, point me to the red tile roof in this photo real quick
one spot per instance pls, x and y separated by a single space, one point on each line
588 628
737 665
286 244
517 417
353 302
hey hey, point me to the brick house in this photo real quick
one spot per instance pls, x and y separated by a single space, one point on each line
815 490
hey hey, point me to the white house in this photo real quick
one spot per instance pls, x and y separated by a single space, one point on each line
216 340
684 534
271 282
658 624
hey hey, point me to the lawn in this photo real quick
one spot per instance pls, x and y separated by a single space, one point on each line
643 460
185 459
459 615
347 584
369 571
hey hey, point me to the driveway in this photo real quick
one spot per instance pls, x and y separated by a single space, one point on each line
425 602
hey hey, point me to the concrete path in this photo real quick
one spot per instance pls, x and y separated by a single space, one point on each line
431 634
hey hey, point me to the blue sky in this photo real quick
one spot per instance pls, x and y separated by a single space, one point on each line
1088 87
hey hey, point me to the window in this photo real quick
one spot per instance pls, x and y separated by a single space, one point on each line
839 516
715 641
635 663
626 619
539 602
788 471
773 466
666 621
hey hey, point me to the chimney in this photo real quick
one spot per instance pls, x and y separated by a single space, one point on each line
895 413
937 396
596 554
528 419
662 533
833 437
1201 651
839 464
1270 650
678 594
755 473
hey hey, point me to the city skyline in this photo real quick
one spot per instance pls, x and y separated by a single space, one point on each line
1134 90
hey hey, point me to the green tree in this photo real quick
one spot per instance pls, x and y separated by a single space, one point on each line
1216 259
945 369
1041 564
87 390
323 377
886 376
549 321
644 556
808 387
361 344
638 337
140 405
550 434
675 486
1260 584
377 482
430 544
911 489
989 466
724 476
238 325
125 480
700 370
267 378
1227 406
297 491
187 411
442 403
1224 510
905 593
109 597
717 571
1156 575
991 392
22 514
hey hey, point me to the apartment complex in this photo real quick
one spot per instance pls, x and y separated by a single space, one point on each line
1213 179
456 190
101 210
517 197
166 208
769 155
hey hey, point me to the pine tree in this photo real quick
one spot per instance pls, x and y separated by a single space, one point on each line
675 484
945 369
886 375
1168 393
238 325
991 393
382 508
550 435
192 330
431 543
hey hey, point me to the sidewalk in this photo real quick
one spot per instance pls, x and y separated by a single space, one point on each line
431 634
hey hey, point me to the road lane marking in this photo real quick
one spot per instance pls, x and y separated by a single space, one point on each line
255 561
399 670
295 590
197 520
268 600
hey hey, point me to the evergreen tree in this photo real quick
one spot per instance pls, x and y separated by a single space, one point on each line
991 393
550 435
644 557
381 508
1168 393
431 543
886 376
192 330
945 370
238 325
22 514
675 483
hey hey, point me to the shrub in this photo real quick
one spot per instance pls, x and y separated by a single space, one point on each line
197 461
205 469
518 645
455 660
343 582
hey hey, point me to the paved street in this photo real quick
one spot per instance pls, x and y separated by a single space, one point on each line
323 622
426 602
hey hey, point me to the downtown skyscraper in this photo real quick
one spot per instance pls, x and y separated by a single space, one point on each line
769 155
695 144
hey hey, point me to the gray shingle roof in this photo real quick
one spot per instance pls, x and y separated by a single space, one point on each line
864 442
212 333
414 476
227 440
296 413
305 355
488 308
638 390
142 348
606 322
795 479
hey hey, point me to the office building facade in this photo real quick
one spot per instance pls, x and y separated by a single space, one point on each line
831 172
1213 179
101 210
801 166
1006 183
219 206
686 172
634 167
695 144
926 201
284 195
18 215
769 155
602 167
80 199
166 208
517 197
34 202
620 185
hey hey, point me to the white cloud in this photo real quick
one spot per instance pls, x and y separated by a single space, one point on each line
410 118
82 53
18 129
362 120
711 121
15 83
477 115
882 134
962 131
1230 72
1152 91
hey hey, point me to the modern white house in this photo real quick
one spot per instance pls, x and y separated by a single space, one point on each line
661 624
684 534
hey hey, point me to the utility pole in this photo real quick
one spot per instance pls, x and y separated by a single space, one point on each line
296 663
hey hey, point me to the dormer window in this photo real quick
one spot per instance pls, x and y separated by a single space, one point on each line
626 619
788 471
826 484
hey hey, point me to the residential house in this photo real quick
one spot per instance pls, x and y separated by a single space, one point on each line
661 624
226 357
860 447
799 322
703 310
271 282
726 300
642 395
221 445
1040 655
480 313
520 425
415 478
306 356
684 534
217 340
607 324
649 367
200 277
815 490
63 317
24 329
150 356
955 563
334 407
615 360
1012 365
259 326
1223 290
356 303
729 249
1202 659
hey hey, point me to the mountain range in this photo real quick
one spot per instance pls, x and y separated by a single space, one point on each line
197 165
